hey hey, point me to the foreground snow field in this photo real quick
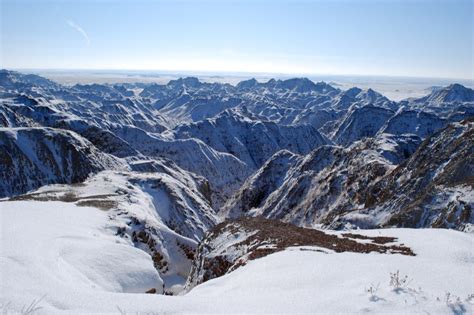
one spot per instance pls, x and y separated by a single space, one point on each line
58 257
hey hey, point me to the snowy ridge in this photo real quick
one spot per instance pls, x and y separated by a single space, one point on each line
253 142
32 157
361 122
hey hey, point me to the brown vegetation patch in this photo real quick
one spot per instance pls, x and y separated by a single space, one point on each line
282 235
374 239
188 251
145 237
216 267
98 203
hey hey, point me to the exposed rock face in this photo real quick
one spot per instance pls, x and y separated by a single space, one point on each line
315 188
261 184
232 244
33 157
434 187
363 186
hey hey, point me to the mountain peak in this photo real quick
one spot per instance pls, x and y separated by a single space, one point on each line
456 86
452 93
12 78
352 92
187 82
298 85
247 84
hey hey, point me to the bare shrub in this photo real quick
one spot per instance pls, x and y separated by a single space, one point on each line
372 290
398 282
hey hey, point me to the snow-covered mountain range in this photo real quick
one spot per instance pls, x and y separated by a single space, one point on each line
168 163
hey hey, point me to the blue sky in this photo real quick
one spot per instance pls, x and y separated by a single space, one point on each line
368 37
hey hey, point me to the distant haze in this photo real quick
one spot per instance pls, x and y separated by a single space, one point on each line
395 88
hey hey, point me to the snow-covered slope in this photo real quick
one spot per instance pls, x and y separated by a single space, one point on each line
360 123
164 213
224 171
49 276
12 80
445 100
450 94
356 97
32 157
60 251
120 125
244 125
308 280
419 123
252 141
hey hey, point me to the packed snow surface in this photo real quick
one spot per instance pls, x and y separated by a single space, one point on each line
59 257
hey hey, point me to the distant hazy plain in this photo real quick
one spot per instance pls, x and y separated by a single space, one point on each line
395 88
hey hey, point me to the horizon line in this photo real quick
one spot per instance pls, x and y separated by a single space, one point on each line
235 73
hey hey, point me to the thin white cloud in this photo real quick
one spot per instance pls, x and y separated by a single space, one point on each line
80 30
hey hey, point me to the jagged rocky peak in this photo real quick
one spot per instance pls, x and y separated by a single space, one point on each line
226 134
12 80
270 83
443 101
324 88
301 85
362 186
